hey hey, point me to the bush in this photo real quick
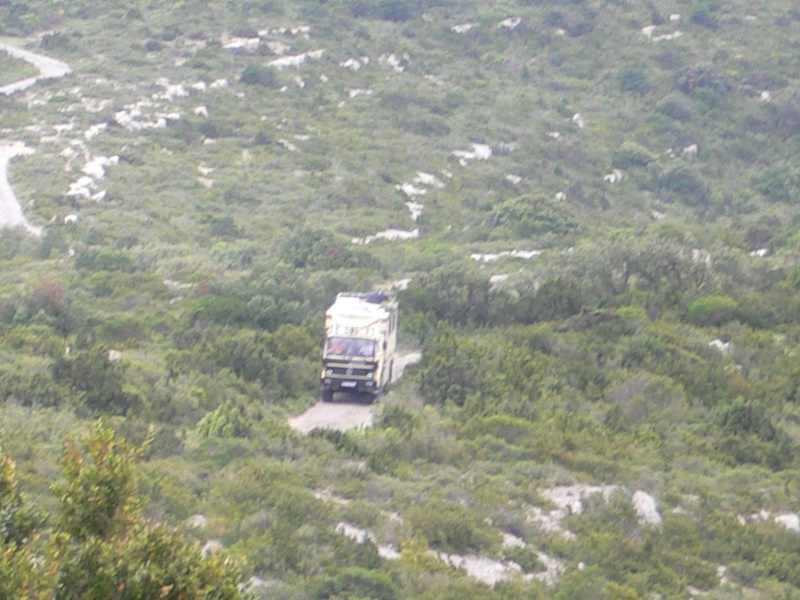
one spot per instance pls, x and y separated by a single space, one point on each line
450 527
634 80
259 75
631 154
528 216
712 311
685 184
356 583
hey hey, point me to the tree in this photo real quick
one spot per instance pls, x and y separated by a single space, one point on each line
18 524
103 548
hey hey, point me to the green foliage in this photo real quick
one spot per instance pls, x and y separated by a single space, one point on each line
96 382
259 75
778 183
456 293
450 527
227 420
634 80
315 249
702 14
103 548
451 370
555 299
630 154
98 498
685 185
355 583
98 259
18 520
528 216
711 311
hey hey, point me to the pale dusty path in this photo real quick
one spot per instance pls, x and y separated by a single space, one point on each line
10 209
344 413
48 68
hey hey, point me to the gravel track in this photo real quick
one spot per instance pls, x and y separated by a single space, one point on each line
10 209
347 411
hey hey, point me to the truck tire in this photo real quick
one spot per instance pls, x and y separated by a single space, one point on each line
327 395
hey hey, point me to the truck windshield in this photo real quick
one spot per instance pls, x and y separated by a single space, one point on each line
342 346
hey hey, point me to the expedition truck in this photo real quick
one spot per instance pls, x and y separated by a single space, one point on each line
360 341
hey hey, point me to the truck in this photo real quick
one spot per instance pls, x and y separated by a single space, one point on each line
360 343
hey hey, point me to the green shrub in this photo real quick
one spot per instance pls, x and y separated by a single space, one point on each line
227 420
712 311
634 80
356 583
528 216
450 527
259 75
631 154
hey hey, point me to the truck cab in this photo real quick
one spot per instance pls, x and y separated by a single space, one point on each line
360 343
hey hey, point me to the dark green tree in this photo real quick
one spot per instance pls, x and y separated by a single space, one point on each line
102 546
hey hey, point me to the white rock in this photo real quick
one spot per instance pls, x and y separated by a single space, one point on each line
94 130
388 234
690 151
463 28
789 521
646 508
428 179
297 60
416 209
197 521
278 47
242 44
210 547
410 190
523 254
720 345
351 63
511 23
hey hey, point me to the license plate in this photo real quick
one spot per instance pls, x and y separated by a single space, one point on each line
349 384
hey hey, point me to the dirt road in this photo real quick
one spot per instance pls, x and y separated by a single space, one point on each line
10 210
48 68
346 412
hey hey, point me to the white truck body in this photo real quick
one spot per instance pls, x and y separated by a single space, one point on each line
360 343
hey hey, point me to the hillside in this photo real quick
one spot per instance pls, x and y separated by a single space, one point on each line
587 211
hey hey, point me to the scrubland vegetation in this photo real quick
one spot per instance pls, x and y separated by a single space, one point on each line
603 281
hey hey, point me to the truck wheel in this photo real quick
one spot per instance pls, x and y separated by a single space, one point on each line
327 395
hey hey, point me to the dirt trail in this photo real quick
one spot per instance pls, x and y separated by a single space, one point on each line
48 68
347 411
10 209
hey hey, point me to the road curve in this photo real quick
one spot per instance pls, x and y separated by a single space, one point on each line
10 209
48 68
